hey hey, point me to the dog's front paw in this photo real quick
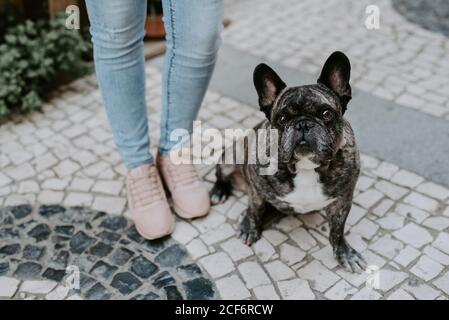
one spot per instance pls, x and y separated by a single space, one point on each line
350 259
220 193
249 236
249 233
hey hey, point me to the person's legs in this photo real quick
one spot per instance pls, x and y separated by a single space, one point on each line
193 38
117 29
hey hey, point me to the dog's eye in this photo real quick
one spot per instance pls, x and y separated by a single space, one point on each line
327 115
282 120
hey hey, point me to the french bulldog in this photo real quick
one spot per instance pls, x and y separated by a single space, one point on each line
318 164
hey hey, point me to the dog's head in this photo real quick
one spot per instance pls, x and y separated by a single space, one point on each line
309 118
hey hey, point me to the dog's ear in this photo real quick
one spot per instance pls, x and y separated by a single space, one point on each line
335 75
268 85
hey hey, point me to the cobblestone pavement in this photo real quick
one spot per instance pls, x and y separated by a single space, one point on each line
65 157
430 14
400 62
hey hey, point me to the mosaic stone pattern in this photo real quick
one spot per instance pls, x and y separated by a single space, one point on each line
115 262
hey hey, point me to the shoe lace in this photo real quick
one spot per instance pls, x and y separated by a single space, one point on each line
146 189
183 174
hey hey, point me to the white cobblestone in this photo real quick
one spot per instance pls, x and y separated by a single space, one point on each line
236 249
433 190
279 271
38 286
22 172
232 288
437 223
58 294
443 282
266 292
296 289
437 255
410 212
184 232
253 274
304 240
407 255
391 221
108 187
340 291
288 223
50 197
291 254
221 233
78 199
218 264
368 198
8 287
366 228
390 190
387 246
426 268
407 179
112 205
414 235
400 295
422 202
274 237
55 184
264 250
366 294
197 249
442 242
66 168
422 291
321 278
389 279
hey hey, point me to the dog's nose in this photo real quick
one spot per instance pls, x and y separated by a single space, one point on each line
305 125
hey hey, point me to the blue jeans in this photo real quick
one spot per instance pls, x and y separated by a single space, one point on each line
193 30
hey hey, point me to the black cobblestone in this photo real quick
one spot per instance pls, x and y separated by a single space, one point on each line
143 267
125 282
22 211
10 249
121 256
80 242
53 274
31 252
40 232
28 270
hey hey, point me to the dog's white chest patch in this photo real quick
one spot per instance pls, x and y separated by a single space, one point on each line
307 194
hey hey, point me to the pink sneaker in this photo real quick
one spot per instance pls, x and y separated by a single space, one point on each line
147 202
190 196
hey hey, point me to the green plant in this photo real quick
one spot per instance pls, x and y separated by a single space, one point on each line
33 57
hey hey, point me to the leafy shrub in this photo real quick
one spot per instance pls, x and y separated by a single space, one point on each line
33 57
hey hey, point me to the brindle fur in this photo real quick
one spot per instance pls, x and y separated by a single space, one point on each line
333 147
